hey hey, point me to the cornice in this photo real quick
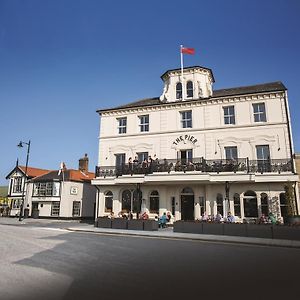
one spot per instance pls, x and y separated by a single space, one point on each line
194 103
195 130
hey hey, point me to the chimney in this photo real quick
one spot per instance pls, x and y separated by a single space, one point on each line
84 164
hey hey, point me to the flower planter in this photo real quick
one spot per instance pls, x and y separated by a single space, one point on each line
119 223
235 229
135 224
260 231
213 228
188 227
150 225
103 222
286 232
292 220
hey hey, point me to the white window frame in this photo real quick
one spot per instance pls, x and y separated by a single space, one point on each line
122 128
17 184
144 123
228 116
185 120
262 115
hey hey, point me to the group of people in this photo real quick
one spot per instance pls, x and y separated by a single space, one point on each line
270 219
218 218
128 215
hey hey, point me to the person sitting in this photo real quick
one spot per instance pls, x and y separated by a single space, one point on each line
230 218
163 220
130 215
204 217
272 218
111 215
218 217
144 216
263 219
169 216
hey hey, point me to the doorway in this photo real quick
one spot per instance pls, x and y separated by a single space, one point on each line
187 204
185 156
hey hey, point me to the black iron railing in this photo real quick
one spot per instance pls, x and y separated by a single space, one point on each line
198 164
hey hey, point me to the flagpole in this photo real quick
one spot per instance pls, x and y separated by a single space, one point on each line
182 83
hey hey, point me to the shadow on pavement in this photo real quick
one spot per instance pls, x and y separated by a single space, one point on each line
110 267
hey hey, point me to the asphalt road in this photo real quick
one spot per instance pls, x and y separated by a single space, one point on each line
44 263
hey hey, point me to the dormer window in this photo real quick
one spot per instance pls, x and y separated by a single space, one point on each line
178 90
189 89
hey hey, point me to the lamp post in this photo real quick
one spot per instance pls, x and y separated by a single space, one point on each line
20 145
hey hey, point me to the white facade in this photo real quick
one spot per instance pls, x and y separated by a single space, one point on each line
228 142
72 200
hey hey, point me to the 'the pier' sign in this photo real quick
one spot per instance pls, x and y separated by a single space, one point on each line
184 139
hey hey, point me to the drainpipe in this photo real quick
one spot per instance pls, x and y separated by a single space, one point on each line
97 202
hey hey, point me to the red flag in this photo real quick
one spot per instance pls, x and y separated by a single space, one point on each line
187 50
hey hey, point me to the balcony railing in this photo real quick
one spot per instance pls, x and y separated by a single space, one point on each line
198 164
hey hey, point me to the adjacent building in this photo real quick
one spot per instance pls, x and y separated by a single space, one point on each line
64 193
17 179
195 149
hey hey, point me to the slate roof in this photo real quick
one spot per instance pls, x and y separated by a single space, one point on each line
243 90
67 175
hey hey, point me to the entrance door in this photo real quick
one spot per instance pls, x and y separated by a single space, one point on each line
187 204
185 156
35 205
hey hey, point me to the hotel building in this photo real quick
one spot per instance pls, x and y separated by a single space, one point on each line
195 149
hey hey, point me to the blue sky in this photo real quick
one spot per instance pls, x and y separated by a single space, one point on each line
61 60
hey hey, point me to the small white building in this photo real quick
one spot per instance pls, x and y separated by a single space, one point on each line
65 193
211 150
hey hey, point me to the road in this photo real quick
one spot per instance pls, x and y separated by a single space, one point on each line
43 262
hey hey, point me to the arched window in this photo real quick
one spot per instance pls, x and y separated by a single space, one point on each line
178 90
264 204
237 204
154 202
137 201
283 204
126 200
108 201
250 204
189 89
220 204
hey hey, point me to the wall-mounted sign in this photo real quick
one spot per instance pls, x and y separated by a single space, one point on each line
185 138
74 190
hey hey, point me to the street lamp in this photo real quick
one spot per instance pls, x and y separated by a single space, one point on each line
20 145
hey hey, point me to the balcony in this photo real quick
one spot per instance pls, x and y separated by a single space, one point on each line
243 165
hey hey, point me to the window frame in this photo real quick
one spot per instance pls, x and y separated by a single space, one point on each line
231 148
76 209
230 116
189 89
144 123
55 208
185 120
17 184
108 196
178 93
259 116
122 128
154 202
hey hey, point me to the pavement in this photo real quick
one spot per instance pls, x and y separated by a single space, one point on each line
165 233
